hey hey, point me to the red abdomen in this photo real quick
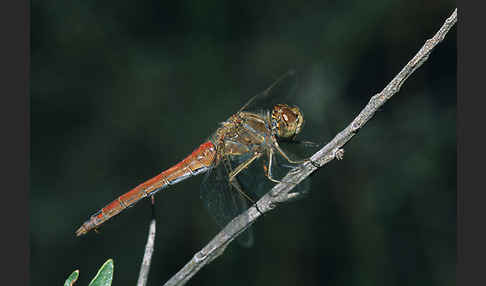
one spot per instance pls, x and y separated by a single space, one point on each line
199 161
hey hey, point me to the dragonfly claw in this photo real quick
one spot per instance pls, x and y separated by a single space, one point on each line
314 163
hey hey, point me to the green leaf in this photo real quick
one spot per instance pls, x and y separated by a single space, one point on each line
104 275
72 278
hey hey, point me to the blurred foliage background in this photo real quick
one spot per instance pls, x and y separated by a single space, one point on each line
121 90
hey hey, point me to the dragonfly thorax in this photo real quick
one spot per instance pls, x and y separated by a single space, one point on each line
286 121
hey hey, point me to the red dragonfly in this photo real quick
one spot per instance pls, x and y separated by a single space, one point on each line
239 142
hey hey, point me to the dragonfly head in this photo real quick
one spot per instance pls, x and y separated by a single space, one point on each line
287 121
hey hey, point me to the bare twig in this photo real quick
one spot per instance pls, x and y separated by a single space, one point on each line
149 250
281 192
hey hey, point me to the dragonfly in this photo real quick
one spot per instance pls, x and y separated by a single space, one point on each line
250 135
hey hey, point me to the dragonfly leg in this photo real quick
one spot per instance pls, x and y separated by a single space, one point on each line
268 170
243 166
287 157
308 143
232 175
237 186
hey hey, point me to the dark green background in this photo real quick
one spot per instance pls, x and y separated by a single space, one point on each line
121 90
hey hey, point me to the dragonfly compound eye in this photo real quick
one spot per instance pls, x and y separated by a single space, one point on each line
287 121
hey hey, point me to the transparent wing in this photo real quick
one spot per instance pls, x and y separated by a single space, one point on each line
282 90
223 201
